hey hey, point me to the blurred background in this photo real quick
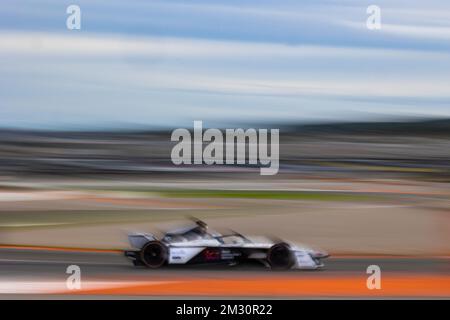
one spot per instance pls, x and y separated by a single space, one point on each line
364 117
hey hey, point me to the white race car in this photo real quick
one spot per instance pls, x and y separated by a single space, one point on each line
195 244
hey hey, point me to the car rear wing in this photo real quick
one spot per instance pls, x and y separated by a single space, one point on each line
138 240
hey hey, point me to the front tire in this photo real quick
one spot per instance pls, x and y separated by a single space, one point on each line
154 254
280 256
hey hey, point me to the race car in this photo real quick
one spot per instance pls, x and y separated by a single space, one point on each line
196 244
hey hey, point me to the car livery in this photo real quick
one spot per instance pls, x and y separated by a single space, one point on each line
195 244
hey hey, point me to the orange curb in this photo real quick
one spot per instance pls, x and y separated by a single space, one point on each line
419 285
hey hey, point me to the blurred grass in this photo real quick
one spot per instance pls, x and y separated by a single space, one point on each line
55 218
270 195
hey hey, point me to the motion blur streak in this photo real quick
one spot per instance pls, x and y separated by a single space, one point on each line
86 118
405 286
58 249
35 272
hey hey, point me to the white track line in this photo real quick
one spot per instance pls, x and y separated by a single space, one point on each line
60 287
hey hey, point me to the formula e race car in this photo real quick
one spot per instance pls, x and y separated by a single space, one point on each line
196 244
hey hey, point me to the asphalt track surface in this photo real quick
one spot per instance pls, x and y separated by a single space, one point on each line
41 273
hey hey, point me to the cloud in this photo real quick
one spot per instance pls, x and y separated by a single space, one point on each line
208 67
78 51
160 62
53 44
426 32
404 30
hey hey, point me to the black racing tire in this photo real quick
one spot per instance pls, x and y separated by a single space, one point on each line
280 256
154 254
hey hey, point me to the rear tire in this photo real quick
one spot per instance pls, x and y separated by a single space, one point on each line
280 256
154 254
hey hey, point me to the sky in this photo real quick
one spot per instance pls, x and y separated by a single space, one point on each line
147 63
